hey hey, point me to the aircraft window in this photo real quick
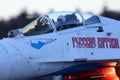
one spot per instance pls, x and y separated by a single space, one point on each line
37 27
66 21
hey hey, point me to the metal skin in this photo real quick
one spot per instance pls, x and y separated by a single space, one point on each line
58 52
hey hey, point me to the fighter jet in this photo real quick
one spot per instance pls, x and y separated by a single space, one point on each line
60 43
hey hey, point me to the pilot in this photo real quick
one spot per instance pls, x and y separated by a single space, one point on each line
72 18
60 21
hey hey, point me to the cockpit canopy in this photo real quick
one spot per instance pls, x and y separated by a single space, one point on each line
66 20
59 21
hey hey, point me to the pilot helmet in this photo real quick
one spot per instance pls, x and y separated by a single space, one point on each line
61 18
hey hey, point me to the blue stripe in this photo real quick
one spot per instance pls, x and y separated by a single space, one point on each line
77 68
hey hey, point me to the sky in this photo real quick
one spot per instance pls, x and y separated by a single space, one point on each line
9 8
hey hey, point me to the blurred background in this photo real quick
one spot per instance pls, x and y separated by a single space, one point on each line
18 13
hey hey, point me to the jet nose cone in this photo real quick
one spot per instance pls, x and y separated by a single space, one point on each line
4 63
